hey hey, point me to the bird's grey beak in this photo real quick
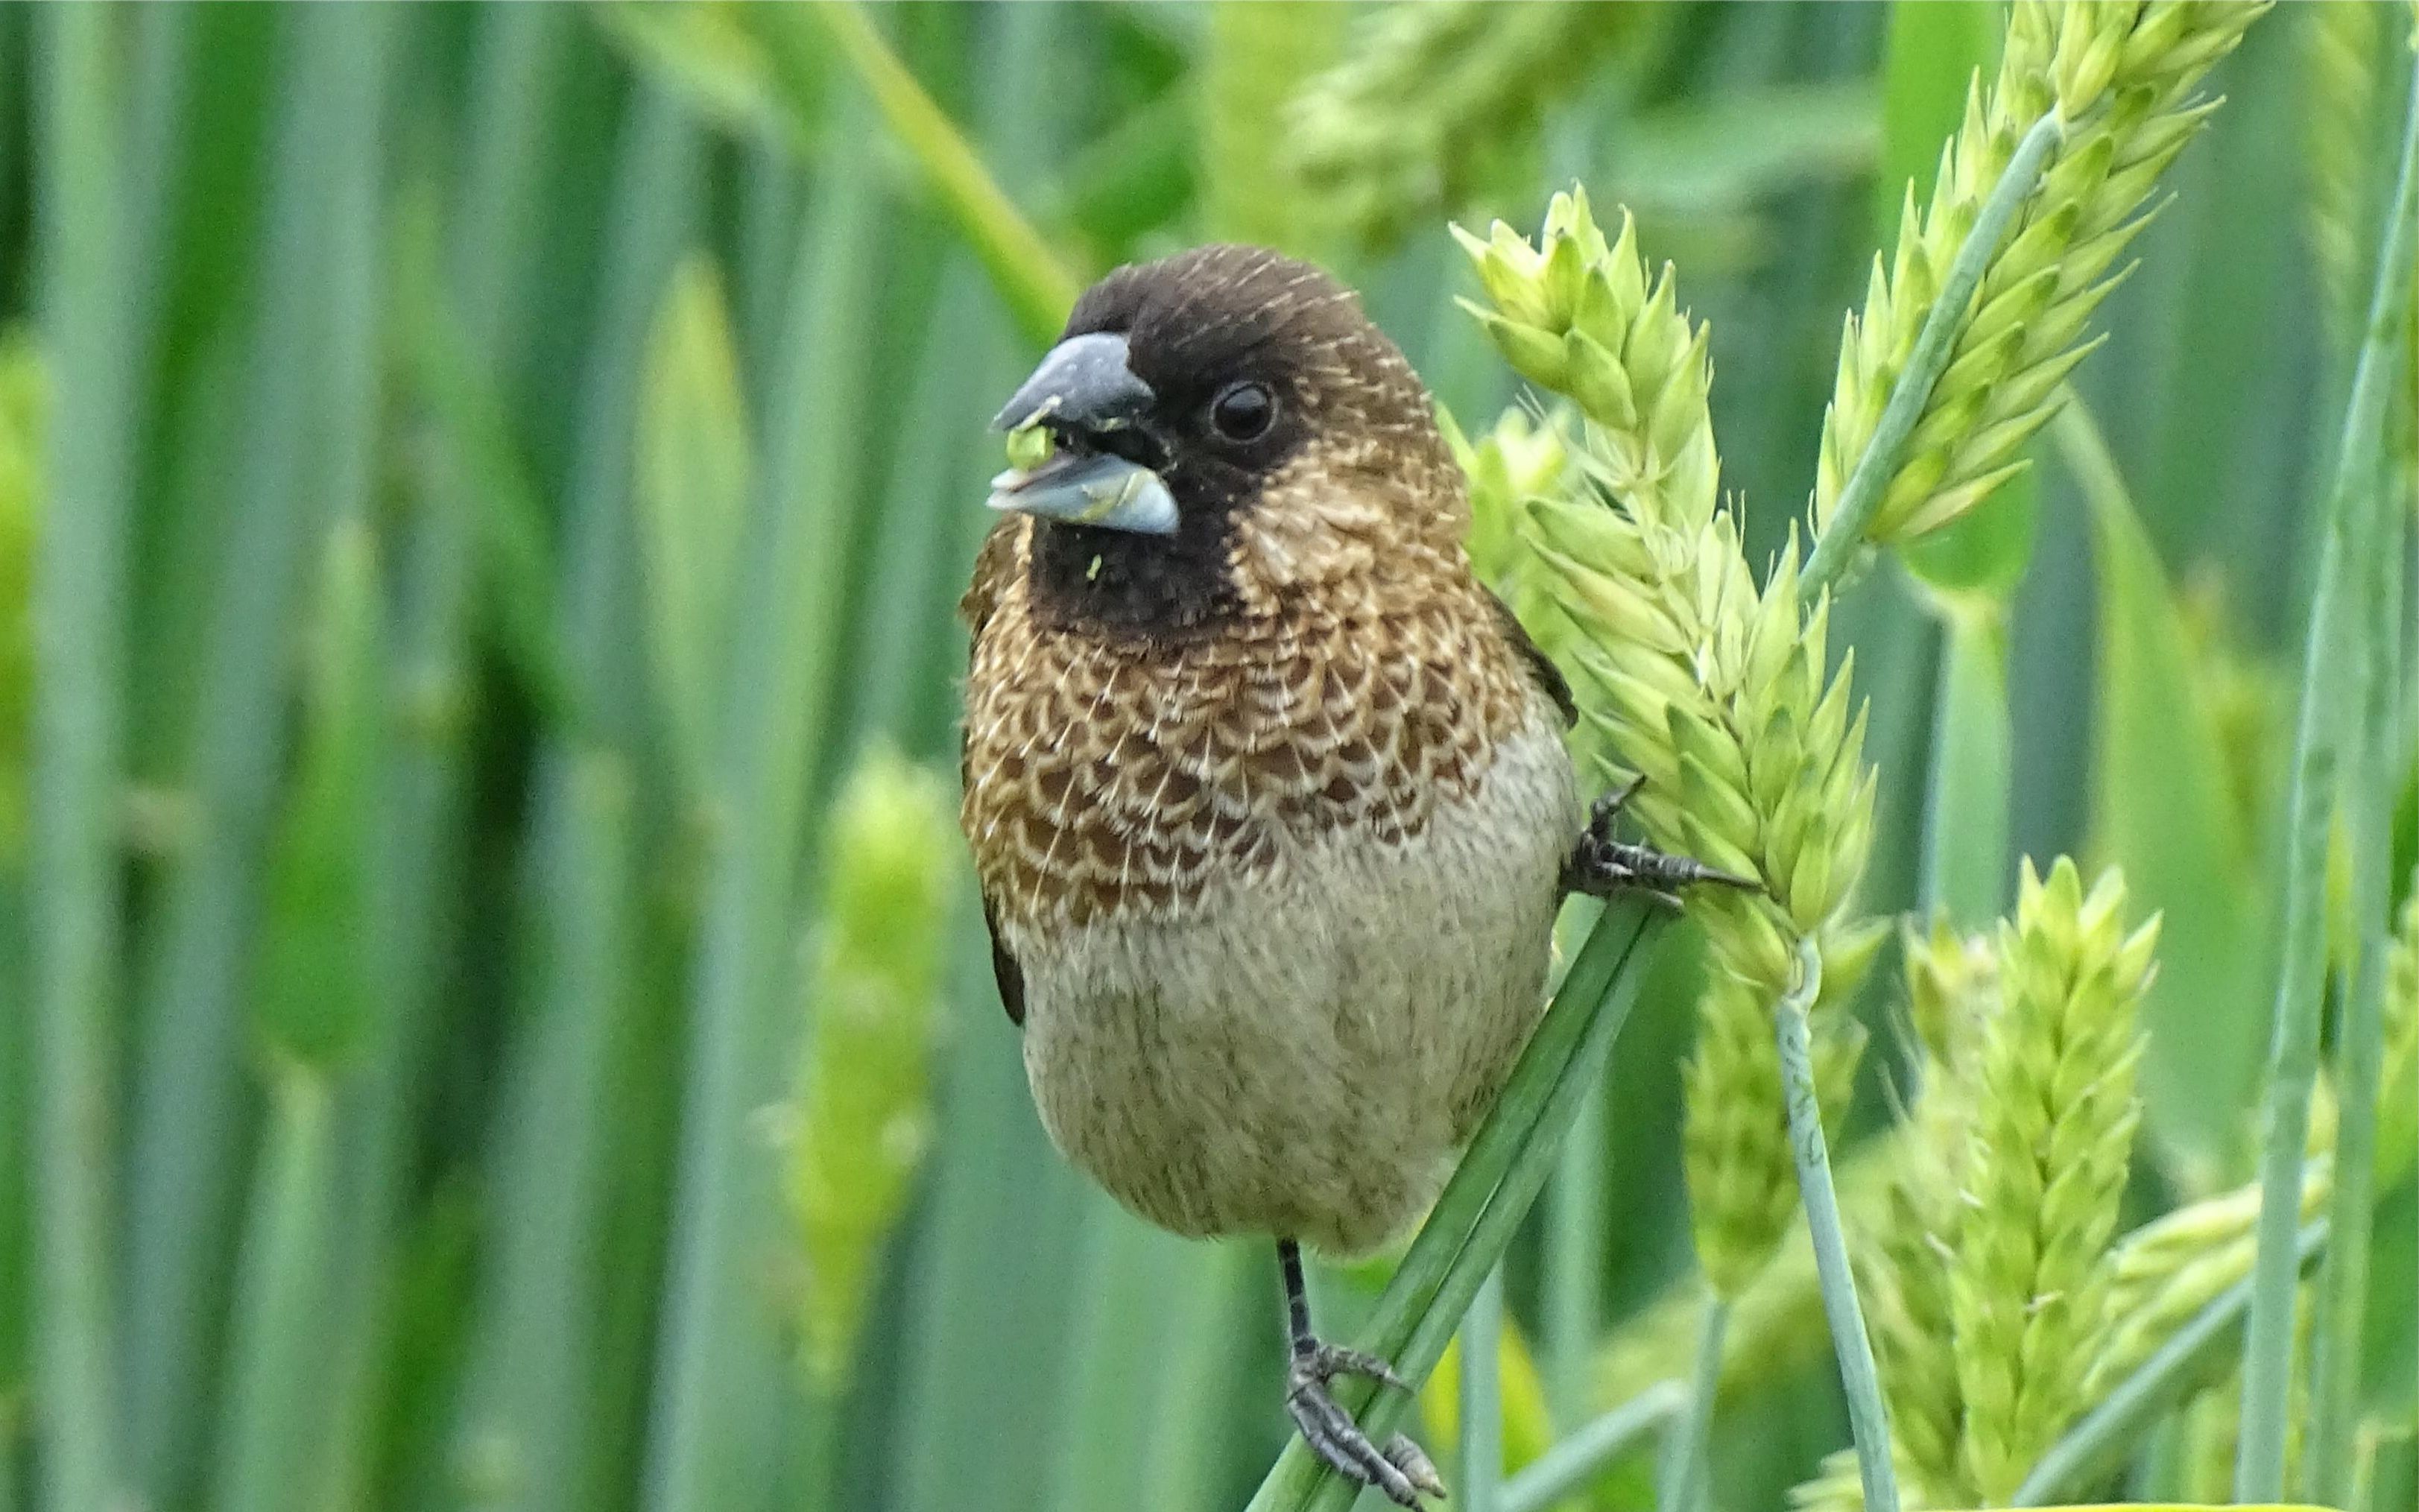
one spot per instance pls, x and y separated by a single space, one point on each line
1089 488
1084 388
1083 384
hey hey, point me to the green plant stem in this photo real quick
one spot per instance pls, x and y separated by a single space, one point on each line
1966 809
1196 1342
1685 1465
1843 533
190 1096
79 722
970 1293
654 206
596 1096
760 272
1481 1459
535 1382
2183 1364
532 1385
2326 691
816 1459
2359 1040
519 60
2360 1477
1036 285
1130 1281
1868 1418
17 1105
1474 1219
713 1412
1579 1457
448 295
268 1445
1574 1261
479 299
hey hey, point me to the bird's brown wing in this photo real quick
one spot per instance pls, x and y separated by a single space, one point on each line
992 564
1541 667
1003 969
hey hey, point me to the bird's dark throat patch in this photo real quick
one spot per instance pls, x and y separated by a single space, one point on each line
1158 587
1152 587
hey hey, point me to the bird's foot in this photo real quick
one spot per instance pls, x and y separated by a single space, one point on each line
1397 1468
1601 866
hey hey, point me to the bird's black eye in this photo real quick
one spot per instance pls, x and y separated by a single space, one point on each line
1242 411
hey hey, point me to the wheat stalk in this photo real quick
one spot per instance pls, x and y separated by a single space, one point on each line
1436 103
1991 1281
1713 690
1523 457
2162 1275
1954 996
2397 1100
2055 1110
2340 121
861 1117
2120 80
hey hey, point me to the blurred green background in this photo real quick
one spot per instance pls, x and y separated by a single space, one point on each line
502 472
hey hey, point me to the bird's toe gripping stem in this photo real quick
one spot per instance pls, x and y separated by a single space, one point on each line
1397 1467
1602 866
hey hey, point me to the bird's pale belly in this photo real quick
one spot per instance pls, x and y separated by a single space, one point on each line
1299 1053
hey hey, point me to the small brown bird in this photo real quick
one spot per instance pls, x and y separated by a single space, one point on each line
1267 793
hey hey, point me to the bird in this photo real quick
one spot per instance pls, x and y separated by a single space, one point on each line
1266 794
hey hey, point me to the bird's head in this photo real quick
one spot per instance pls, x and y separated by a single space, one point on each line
1226 427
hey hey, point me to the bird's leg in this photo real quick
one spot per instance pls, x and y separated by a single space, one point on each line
1601 866
1399 1469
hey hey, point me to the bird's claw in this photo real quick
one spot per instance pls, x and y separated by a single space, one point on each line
1398 1468
1414 1462
1601 866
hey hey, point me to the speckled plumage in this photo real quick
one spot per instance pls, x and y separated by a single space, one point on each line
1110 774
1270 843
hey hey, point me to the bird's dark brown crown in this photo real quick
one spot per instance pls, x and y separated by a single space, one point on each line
1348 410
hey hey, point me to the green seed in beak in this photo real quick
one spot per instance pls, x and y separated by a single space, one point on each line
1029 447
